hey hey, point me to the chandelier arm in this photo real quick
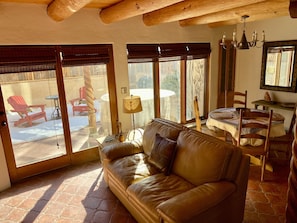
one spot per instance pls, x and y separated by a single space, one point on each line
244 44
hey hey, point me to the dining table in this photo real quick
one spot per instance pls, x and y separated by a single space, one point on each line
227 119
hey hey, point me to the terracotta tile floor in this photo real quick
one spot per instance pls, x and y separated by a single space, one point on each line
79 194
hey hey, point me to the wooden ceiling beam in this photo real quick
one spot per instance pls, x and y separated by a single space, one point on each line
271 8
129 8
293 8
59 10
252 18
191 8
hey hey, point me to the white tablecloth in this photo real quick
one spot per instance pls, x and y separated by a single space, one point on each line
227 119
147 100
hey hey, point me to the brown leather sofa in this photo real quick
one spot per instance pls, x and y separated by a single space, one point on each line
207 183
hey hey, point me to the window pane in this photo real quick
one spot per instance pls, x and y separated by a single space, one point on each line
141 84
34 137
195 86
170 90
88 104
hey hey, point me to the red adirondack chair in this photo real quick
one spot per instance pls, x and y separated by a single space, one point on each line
27 115
79 104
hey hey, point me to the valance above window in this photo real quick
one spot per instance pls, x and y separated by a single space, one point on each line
84 54
166 52
16 59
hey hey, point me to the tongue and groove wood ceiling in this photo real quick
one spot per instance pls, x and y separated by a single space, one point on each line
215 13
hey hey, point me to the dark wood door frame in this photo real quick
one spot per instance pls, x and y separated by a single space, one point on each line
226 76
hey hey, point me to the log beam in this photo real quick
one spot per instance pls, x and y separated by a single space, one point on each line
59 10
293 8
191 8
250 19
291 214
258 11
129 8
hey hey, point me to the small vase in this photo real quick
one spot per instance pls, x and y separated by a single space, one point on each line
267 96
121 137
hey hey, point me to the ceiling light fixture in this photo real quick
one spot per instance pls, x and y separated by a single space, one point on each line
244 44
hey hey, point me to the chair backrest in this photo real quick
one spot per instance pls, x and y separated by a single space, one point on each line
255 125
82 92
18 103
197 114
293 121
240 98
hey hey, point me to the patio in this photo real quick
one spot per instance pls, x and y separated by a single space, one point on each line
28 140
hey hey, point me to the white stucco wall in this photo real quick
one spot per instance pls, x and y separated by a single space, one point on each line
248 62
29 24
4 177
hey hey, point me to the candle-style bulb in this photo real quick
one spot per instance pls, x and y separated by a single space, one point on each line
263 36
223 39
255 36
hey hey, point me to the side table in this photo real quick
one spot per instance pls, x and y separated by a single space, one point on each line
56 112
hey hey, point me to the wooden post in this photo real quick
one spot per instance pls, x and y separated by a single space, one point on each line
291 213
90 100
293 8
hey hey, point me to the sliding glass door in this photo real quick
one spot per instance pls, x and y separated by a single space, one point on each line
56 103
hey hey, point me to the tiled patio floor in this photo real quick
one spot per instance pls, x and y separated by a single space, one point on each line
79 194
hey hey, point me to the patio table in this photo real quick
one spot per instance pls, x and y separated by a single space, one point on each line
56 111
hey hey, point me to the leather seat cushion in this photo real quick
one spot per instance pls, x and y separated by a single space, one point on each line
148 193
131 169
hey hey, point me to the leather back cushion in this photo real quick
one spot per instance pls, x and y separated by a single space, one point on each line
163 153
202 158
164 127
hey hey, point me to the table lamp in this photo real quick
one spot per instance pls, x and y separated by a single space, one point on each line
132 105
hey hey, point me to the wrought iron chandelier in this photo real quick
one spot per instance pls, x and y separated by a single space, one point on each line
244 44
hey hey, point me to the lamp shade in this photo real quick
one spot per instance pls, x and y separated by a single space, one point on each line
132 104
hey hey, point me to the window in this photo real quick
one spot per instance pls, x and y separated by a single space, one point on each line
196 79
167 77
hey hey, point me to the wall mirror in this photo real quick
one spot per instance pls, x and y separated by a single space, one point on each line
279 70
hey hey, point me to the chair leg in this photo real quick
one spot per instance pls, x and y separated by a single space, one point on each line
30 122
263 168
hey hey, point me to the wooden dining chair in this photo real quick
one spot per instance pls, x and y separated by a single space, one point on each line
281 146
80 104
253 135
240 98
197 114
218 134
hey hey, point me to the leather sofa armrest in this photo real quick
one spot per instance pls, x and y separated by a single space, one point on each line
186 206
118 150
